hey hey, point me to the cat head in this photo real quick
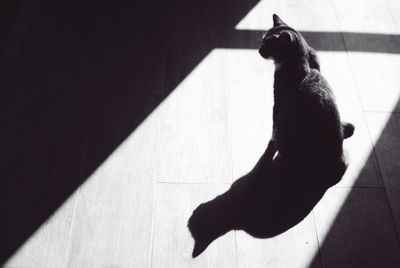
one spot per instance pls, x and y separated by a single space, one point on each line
282 43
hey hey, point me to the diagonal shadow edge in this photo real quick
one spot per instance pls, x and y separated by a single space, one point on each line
338 247
79 58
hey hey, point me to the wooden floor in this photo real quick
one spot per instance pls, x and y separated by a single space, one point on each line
208 128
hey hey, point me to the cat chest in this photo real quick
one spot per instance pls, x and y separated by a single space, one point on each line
291 120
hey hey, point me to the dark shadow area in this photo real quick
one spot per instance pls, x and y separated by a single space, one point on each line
273 197
8 17
78 77
268 201
363 233
327 41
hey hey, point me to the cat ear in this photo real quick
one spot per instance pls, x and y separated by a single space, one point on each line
277 20
285 37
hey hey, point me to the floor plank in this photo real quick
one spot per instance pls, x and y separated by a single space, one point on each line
371 16
114 213
194 137
250 99
394 7
377 86
385 132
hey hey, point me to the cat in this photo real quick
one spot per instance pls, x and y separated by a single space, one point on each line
304 156
305 117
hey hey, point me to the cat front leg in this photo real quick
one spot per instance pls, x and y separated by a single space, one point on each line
272 147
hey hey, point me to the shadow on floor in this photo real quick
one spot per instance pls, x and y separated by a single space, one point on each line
78 77
364 232
268 201
273 197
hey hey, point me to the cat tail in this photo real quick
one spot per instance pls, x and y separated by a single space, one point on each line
348 130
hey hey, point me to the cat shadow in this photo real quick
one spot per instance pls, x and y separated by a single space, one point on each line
273 197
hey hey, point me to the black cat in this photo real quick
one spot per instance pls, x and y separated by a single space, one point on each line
306 121
307 140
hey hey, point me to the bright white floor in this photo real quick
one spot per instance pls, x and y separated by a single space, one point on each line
133 210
